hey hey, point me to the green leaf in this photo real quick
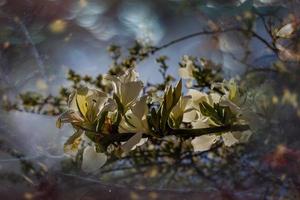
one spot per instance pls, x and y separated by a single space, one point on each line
101 121
221 115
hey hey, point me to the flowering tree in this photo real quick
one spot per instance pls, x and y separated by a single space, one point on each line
199 125
125 119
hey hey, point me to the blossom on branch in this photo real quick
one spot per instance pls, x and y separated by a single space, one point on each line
123 118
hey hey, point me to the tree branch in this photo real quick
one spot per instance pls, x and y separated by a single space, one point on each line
185 133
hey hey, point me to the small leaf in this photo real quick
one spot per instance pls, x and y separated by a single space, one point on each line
177 92
168 98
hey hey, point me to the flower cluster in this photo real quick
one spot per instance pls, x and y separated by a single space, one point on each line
126 119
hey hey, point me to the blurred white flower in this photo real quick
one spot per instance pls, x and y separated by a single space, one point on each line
286 31
187 71
91 160
205 142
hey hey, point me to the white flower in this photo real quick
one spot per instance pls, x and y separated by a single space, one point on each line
127 87
86 106
204 143
199 97
91 160
195 116
187 72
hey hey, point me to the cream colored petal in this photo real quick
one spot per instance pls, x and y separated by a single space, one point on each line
190 116
201 122
124 127
72 101
91 160
204 142
197 96
132 142
70 116
189 83
229 139
185 101
139 109
130 92
110 105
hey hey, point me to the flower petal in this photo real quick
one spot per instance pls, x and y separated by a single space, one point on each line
190 115
139 109
229 139
69 116
132 142
130 92
141 142
202 122
197 96
91 160
204 142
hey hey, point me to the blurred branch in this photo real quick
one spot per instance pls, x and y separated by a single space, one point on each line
155 49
